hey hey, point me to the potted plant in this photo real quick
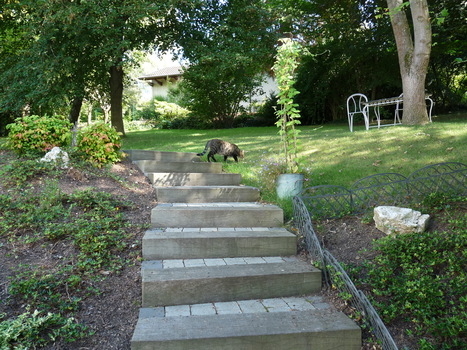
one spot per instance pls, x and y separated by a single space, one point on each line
290 183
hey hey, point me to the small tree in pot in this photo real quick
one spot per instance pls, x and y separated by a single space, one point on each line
290 183
287 112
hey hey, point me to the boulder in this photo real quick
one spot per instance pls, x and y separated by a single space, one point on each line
389 220
58 156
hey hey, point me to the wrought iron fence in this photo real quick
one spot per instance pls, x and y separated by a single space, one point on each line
380 189
385 189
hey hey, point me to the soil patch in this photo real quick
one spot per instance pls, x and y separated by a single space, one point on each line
112 314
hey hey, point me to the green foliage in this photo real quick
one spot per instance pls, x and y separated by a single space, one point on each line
91 222
99 144
47 290
32 329
67 51
422 278
36 134
18 172
287 115
448 59
165 115
266 113
229 55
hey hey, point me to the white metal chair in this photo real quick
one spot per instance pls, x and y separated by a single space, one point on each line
355 105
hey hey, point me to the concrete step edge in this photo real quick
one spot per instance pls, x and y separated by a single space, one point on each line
219 206
200 194
216 214
148 166
207 187
167 284
224 263
135 154
317 329
215 232
220 229
205 243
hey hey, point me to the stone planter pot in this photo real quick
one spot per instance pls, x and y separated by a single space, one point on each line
289 185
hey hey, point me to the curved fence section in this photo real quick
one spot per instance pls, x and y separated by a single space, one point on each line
371 191
449 178
385 189
327 200
379 189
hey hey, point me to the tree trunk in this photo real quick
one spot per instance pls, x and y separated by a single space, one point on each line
75 109
116 98
414 56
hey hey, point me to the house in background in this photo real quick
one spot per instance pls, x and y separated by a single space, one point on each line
162 79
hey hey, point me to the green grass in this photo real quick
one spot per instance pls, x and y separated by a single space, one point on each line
334 155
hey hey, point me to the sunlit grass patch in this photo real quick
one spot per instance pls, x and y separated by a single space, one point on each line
334 155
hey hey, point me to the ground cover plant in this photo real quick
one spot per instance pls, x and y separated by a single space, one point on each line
420 280
69 238
415 281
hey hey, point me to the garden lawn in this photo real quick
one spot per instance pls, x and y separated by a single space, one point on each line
334 155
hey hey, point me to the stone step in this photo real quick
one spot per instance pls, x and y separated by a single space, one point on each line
206 194
216 215
155 166
138 154
317 329
194 179
190 243
195 281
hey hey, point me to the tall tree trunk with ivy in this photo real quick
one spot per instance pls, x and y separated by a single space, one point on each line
414 55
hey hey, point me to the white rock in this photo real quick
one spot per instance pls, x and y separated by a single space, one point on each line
56 154
389 219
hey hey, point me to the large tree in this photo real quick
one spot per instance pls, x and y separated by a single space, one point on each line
70 47
413 50
352 50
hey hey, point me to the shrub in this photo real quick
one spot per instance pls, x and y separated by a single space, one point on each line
99 144
167 113
421 278
266 114
35 134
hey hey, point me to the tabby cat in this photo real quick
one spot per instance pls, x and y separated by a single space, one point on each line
224 148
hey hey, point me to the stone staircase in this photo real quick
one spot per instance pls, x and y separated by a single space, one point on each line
220 271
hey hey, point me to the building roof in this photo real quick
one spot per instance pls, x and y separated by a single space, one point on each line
163 73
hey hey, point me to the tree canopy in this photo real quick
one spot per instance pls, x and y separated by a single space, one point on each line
68 48
354 50
56 53
229 56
